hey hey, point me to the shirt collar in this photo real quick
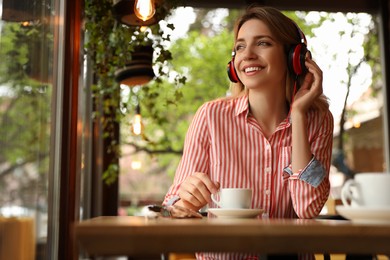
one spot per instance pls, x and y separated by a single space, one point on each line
242 105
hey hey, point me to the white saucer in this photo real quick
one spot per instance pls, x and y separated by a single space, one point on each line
235 213
365 214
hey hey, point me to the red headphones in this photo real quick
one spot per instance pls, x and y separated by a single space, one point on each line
295 59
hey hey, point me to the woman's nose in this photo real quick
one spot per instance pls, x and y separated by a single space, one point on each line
249 54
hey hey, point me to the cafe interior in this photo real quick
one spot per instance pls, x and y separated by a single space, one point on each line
59 166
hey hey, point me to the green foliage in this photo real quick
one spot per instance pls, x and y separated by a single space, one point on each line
299 19
25 103
372 55
111 174
202 60
109 45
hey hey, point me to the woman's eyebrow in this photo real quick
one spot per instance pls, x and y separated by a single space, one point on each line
258 37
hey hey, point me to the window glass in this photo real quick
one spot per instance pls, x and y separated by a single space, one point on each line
26 87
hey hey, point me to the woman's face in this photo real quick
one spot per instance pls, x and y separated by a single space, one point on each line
260 60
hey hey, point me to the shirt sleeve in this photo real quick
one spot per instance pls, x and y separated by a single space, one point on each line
195 154
313 174
310 186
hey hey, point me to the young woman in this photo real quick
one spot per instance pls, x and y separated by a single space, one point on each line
274 134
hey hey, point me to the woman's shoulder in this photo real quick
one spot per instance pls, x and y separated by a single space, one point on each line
320 113
317 117
222 104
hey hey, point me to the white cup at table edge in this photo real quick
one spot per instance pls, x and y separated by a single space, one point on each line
367 190
233 198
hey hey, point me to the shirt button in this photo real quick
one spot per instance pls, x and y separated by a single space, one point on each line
267 192
268 170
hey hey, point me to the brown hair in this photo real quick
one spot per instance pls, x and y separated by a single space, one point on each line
285 31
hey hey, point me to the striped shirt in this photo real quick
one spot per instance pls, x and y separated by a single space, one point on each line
227 143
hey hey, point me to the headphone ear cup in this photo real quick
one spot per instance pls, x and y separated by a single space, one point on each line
296 59
231 71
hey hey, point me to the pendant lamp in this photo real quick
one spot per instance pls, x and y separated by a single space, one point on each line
139 70
21 10
139 12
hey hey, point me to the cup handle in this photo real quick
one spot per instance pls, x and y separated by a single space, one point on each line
346 192
214 199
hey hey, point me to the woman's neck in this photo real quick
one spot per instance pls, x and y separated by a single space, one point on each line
268 110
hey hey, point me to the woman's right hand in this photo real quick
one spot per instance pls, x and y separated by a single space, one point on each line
311 87
195 192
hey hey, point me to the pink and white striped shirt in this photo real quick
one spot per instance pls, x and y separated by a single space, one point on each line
227 143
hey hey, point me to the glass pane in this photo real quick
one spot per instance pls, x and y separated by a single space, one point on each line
26 69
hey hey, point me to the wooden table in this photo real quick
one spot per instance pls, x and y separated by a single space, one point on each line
140 236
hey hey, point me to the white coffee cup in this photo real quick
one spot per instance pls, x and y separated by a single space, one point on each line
367 190
233 198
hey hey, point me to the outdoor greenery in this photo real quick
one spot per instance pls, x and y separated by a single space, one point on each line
109 45
25 94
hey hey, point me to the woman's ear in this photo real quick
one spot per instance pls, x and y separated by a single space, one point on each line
308 55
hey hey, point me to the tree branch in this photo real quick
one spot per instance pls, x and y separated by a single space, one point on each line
167 150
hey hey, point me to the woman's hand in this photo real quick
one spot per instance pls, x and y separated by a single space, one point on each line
195 192
311 87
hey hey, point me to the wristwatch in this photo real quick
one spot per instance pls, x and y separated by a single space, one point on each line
163 210
174 211
173 200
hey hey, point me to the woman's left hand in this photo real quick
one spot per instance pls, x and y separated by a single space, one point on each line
311 87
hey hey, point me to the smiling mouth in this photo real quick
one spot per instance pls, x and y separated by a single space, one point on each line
251 69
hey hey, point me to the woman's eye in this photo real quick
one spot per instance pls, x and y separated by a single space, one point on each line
263 43
239 47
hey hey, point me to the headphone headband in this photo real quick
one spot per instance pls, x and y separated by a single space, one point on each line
302 36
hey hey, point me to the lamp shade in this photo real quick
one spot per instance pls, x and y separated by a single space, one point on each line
21 10
139 70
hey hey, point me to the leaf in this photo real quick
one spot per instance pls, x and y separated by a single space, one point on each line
171 26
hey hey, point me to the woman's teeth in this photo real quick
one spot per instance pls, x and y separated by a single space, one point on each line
250 69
